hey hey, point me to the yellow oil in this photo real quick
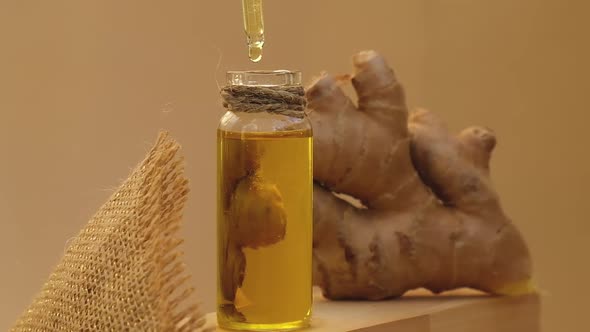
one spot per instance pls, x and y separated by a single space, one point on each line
264 230
254 28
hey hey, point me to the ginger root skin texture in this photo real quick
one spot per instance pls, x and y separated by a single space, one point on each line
431 217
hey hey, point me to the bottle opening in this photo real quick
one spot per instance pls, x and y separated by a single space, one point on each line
264 78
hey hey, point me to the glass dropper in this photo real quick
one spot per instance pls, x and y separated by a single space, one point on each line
254 27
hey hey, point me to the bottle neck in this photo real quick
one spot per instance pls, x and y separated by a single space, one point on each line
285 100
265 91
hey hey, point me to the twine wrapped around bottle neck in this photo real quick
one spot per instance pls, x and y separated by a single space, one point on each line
284 100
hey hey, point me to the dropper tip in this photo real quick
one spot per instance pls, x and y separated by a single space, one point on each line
255 52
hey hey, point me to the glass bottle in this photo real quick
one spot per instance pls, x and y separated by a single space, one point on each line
264 204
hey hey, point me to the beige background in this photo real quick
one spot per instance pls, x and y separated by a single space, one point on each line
85 86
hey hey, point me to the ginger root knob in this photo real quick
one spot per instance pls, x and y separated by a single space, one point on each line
257 213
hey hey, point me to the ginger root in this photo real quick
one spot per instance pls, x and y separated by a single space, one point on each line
254 217
257 213
431 217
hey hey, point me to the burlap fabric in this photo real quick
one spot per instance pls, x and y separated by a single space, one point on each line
123 272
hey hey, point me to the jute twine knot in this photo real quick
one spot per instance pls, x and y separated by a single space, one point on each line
285 100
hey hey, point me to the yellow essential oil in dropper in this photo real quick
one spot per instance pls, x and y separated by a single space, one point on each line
254 27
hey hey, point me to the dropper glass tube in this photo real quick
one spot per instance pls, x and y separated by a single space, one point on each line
254 27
